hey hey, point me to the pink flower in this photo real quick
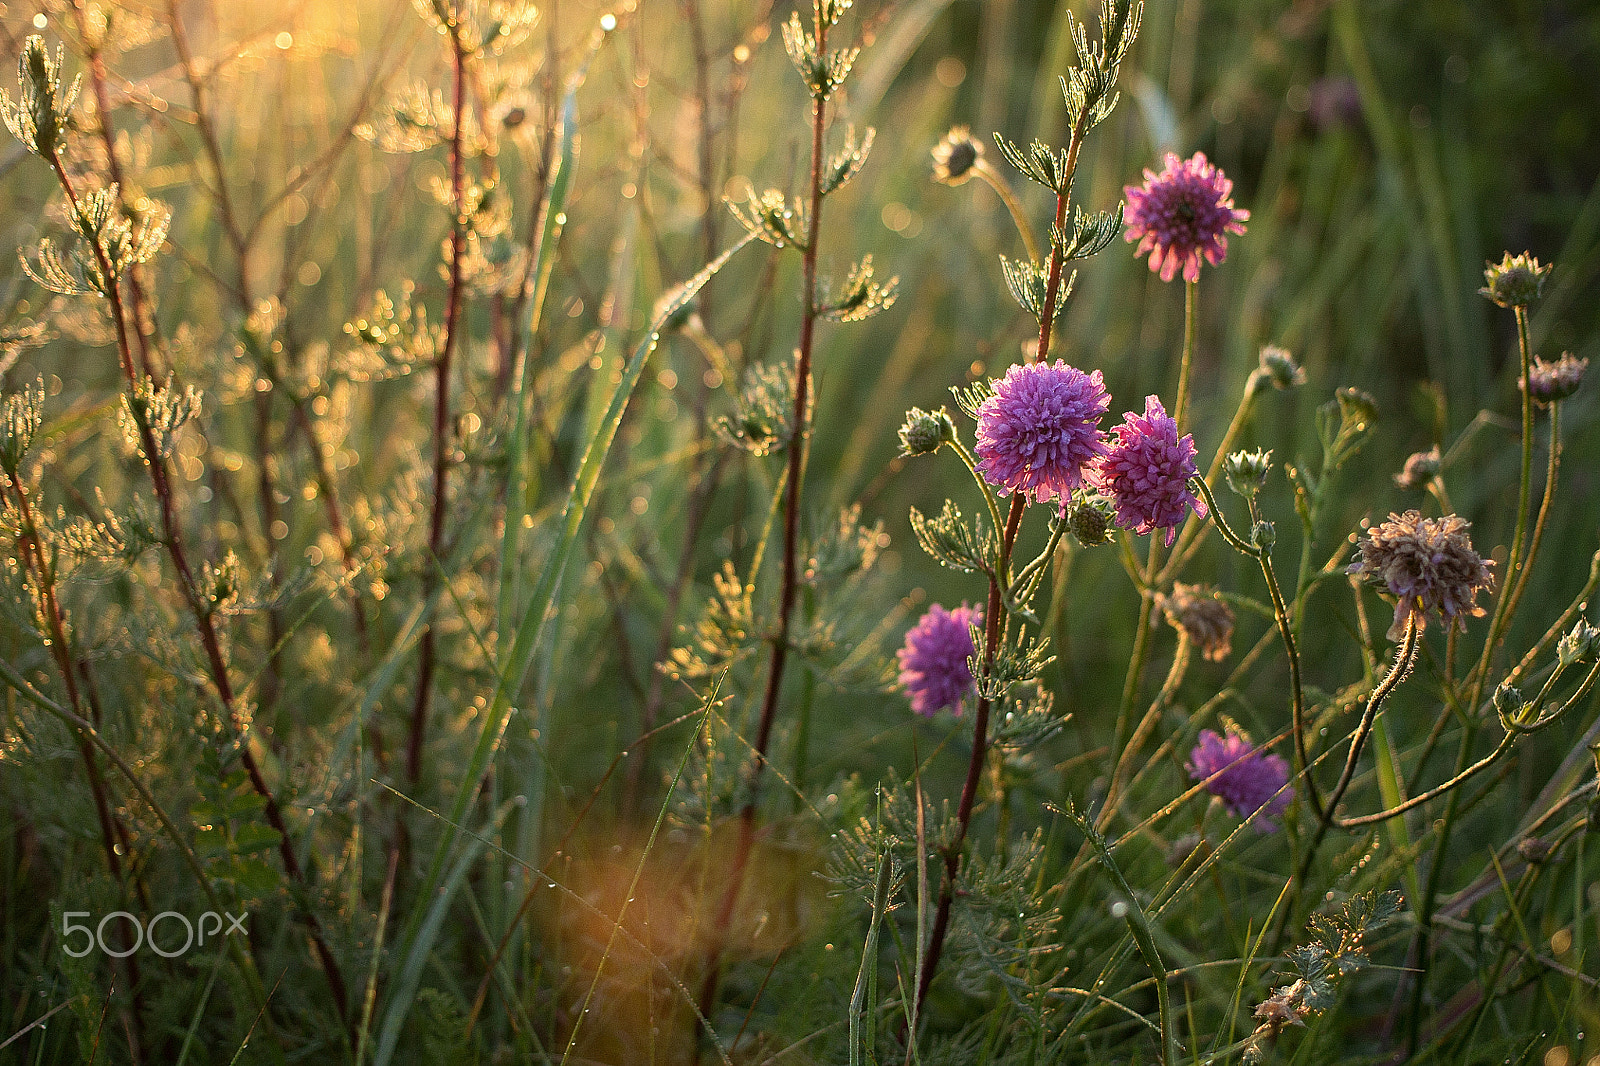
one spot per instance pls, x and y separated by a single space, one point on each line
933 663
1147 472
1040 430
1181 214
1245 778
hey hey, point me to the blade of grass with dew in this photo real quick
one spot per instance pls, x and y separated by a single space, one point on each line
551 219
1391 788
199 1012
1138 925
529 631
409 977
859 1005
638 872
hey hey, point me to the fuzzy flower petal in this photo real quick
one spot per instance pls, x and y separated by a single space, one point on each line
1181 214
1040 430
933 663
1147 471
1246 779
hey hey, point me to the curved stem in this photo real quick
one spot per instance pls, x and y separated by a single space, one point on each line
1404 659
996 181
1280 614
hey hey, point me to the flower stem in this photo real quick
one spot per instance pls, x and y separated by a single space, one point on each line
996 181
799 442
442 445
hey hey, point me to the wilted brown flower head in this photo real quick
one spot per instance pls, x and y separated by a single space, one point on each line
1203 616
1420 469
1427 564
1549 382
955 156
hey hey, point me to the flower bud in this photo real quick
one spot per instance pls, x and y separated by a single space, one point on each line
925 431
1549 382
1508 702
1247 471
1091 519
1580 645
1420 468
1263 534
1516 281
1280 368
1534 850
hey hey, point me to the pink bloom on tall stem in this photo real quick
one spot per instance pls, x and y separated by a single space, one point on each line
1146 473
1181 214
933 663
1040 430
1245 778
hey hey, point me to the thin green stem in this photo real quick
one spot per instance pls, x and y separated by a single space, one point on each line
996 181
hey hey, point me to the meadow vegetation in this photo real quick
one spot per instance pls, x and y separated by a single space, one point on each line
914 531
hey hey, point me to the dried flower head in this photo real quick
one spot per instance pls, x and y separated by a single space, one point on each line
1420 468
1515 281
1203 616
1246 779
1146 472
1427 564
1280 368
933 663
955 156
1182 214
1040 429
1549 382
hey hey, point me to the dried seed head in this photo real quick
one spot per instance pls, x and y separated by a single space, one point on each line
1548 382
1427 564
1420 468
1516 281
955 156
1203 616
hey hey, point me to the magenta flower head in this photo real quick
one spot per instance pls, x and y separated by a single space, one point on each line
1147 470
1040 430
1245 778
1181 214
933 663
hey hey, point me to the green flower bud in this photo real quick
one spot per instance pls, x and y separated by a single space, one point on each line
1280 368
925 431
1263 535
1247 471
1580 645
1516 281
1091 519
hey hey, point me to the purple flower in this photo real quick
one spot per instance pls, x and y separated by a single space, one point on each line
1181 214
933 664
1146 472
1041 429
1248 779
